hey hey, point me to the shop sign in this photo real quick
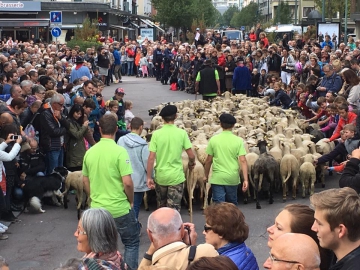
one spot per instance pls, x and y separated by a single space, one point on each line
20 6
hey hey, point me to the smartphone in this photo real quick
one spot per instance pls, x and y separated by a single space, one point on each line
15 137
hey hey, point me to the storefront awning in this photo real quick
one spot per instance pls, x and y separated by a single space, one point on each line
121 27
150 23
24 22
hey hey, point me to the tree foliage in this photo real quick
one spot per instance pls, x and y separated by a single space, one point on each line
219 18
181 13
248 16
331 8
229 14
283 14
85 36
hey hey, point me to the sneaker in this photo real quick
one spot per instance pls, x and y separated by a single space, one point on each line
3 237
2 226
2 230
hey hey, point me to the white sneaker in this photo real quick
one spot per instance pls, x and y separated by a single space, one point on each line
2 226
1 230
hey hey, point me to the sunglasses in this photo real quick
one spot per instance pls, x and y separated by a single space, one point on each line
207 228
273 259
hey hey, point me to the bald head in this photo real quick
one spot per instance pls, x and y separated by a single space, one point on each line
165 226
295 247
6 119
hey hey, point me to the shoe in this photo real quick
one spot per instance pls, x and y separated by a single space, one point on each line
2 230
120 81
2 226
108 84
16 207
3 237
116 81
7 217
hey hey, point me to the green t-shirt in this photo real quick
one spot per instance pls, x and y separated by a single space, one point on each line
168 143
225 148
105 164
198 79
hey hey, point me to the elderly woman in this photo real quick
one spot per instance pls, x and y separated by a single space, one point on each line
97 237
227 231
297 218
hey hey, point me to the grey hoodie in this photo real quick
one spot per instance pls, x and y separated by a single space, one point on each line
138 151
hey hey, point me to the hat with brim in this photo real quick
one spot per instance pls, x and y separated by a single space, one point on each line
119 91
226 118
168 110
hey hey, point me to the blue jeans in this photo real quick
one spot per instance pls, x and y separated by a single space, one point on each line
130 65
222 193
54 159
123 68
129 234
138 197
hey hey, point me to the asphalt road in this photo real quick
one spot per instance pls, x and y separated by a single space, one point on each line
44 241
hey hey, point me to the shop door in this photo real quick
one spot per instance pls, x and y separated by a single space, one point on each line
6 33
22 35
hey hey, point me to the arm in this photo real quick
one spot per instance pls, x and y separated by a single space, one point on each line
12 154
208 163
129 188
86 182
337 130
149 169
244 168
50 125
89 136
77 133
350 176
191 155
338 150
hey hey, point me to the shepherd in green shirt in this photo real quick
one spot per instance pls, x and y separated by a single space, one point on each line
226 154
166 146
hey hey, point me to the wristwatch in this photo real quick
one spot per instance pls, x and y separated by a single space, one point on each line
148 256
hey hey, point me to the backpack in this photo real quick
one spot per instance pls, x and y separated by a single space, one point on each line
30 130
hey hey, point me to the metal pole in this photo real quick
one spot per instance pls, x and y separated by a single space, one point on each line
323 11
268 13
295 11
346 20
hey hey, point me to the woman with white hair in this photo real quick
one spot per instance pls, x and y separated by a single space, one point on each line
97 237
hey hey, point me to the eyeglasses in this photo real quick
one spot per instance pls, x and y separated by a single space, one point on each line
207 228
273 259
80 232
61 104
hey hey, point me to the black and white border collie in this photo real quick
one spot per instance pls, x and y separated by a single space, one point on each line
44 186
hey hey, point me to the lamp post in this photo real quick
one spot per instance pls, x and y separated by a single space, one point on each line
323 11
296 2
346 19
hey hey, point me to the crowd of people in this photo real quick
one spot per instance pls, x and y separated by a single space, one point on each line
53 114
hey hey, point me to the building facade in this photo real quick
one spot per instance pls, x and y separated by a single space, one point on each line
23 19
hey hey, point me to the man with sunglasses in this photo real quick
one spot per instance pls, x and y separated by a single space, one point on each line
284 254
53 129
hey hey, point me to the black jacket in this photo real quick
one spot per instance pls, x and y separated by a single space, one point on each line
31 164
350 262
281 96
207 84
351 175
50 131
274 62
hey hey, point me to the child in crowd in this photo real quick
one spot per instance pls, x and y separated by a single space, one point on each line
128 114
305 111
255 76
144 66
331 122
113 106
96 74
262 79
321 102
100 100
190 86
281 98
300 89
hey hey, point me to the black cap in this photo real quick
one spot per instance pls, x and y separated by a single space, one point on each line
226 118
79 60
240 59
168 110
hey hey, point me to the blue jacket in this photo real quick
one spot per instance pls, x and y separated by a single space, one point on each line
117 57
332 83
94 116
138 151
78 73
242 78
241 255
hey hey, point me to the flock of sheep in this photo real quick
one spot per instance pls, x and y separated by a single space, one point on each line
281 146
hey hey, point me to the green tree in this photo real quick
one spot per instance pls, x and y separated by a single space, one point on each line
331 8
85 36
205 9
283 14
229 14
248 16
219 19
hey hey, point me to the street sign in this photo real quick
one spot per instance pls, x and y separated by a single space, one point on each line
56 17
242 28
56 32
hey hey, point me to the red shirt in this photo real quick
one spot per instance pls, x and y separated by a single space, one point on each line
252 37
305 110
221 61
351 119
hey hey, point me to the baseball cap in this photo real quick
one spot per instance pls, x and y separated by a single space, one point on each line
119 91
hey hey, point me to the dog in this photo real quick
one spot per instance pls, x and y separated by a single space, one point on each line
74 180
38 187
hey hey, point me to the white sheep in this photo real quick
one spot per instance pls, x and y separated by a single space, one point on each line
289 169
307 174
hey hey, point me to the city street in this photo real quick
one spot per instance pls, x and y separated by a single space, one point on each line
44 241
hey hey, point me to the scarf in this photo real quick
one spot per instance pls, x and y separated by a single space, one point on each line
78 66
95 261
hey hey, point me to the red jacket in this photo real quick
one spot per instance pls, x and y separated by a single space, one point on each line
305 110
252 37
221 61
351 119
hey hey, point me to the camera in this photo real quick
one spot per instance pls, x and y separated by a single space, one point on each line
15 137
153 112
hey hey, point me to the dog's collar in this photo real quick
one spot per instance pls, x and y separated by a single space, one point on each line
62 177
